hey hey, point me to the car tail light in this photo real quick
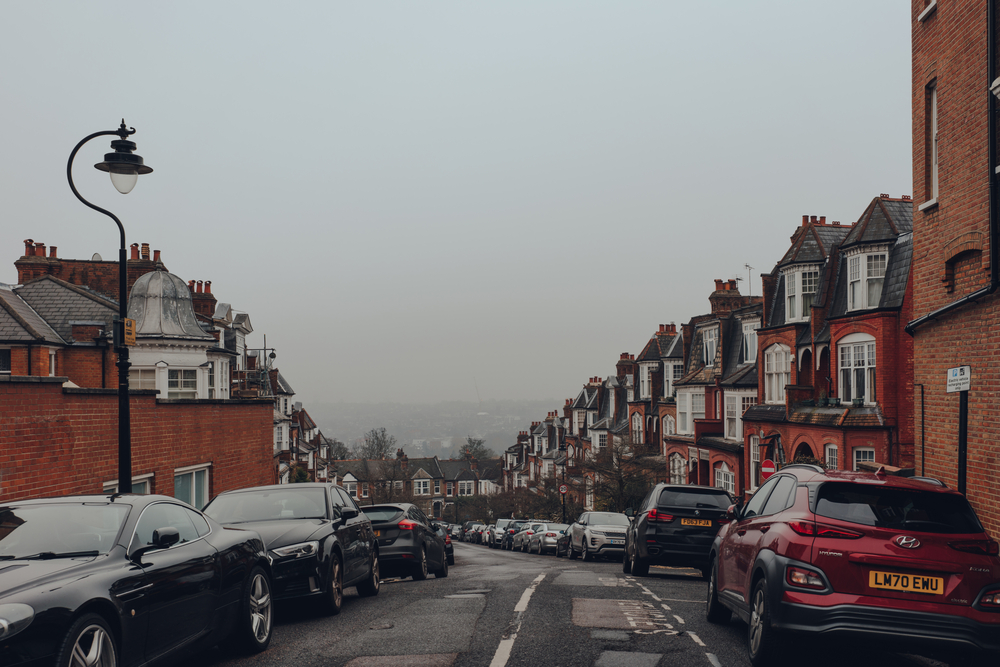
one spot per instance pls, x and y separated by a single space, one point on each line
991 599
660 516
984 547
821 530
406 524
803 578
447 539
551 535
511 531
529 532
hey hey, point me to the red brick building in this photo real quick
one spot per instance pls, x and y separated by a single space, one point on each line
956 306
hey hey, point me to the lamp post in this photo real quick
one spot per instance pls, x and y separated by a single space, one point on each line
562 449
124 167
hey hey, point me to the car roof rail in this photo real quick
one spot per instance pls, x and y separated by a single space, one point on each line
930 480
807 466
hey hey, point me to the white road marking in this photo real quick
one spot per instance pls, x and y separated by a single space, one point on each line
714 660
679 619
697 639
503 651
522 604
502 655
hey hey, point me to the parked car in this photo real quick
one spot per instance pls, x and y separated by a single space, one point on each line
449 548
468 528
675 525
455 531
408 545
860 558
318 539
122 579
512 529
562 543
484 536
520 540
545 537
495 536
598 534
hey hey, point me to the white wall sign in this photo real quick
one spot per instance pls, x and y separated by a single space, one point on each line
959 379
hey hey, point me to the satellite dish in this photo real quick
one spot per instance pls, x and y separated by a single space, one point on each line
96 258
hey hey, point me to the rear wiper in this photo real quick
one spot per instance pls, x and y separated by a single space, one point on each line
49 555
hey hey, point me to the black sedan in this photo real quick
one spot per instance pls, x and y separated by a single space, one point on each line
117 580
408 544
318 539
449 548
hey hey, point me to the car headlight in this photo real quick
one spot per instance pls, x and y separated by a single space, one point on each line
301 550
14 617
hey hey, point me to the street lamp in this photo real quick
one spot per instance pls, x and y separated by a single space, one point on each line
562 464
125 168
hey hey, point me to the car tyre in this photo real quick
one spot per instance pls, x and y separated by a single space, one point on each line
334 598
370 586
420 569
587 555
715 611
762 644
626 562
572 551
639 566
91 638
254 626
443 572
451 559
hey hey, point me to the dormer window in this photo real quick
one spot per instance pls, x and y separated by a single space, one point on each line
866 273
645 381
801 283
777 373
710 338
750 341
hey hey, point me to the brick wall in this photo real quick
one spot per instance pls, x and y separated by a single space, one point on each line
951 251
56 441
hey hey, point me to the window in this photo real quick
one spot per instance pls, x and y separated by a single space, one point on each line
697 407
931 150
52 363
364 489
831 457
866 273
725 479
191 485
690 406
451 488
465 488
581 421
777 373
182 383
398 485
750 341
754 462
637 428
733 421
668 425
422 487
857 368
678 469
645 381
437 487
747 402
211 379
140 484
602 441
710 337
863 454
190 525
800 290
142 378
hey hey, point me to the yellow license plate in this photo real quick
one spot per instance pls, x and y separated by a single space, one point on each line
911 583
696 522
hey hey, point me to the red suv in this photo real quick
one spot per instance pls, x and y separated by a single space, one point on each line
903 564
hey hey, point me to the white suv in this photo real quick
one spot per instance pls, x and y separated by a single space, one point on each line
598 534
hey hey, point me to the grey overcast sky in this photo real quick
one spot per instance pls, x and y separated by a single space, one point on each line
413 199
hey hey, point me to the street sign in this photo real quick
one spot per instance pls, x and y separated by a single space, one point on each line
959 379
129 332
563 489
767 468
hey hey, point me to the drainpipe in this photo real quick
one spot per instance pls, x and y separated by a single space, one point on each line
992 175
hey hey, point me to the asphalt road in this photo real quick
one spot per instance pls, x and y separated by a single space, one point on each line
498 609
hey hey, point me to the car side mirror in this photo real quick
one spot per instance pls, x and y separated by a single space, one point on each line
732 513
347 513
165 537
629 512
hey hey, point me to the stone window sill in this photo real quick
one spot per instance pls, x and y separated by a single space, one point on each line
928 205
928 10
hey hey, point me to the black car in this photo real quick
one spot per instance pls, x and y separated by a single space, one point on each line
675 525
513 528
407 543
121 580
449 548
318 539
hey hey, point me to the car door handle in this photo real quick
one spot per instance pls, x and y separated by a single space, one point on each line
741 531
764 529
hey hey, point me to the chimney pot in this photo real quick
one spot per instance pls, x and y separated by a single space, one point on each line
145 251
52 251
198 289
156 255
822 219
812 219
29 247
40 249
191 285
134 254
732 285
884 195
718 285
805 220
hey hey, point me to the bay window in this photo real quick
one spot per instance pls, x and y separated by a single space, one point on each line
678 469
182 383
857 368
777 373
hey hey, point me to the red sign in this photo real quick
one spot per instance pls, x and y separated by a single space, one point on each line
767 468
563 489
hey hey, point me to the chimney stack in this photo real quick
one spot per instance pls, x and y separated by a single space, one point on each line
29 247
145 251
198 288
718 285
156 255
52 252
135 251
39 249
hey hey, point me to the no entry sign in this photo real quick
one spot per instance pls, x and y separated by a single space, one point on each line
767 468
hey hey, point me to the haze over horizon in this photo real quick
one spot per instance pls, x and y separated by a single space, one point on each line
421 203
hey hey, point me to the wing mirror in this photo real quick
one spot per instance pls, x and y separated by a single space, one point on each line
732 513
347 513
629 512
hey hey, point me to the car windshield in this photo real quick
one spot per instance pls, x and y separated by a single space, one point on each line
896 508
556 526
695 498
608 519
59 529
271 505
383 514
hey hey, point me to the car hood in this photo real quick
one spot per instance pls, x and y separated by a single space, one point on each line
18 575
613 528
282 532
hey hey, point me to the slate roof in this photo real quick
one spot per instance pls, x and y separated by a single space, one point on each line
765 413
279 385
897 272
841 416
586 399
490 469
719 443
811 243
883 220
19 323
61 303
671 347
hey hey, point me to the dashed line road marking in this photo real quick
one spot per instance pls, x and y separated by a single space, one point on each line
679 619
714 660
506 645
697 639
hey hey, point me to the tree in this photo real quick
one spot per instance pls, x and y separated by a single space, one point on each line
339 451
387 482
475 449
621 474
300 476
378 444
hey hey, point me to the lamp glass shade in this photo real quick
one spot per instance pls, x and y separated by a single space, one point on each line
124 180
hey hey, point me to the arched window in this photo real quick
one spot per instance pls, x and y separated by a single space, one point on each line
725 479
637 429
777 372
856 368
678 469
668 425
832 462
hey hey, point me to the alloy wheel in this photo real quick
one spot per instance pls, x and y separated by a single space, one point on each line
260 607
93 648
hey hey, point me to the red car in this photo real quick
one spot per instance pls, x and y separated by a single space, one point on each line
859 558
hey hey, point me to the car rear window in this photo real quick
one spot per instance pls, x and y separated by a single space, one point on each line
698 498
883 507
382 513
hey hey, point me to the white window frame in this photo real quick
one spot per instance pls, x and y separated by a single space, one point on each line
866 277
602 441
678 469
734 425
725 479
179 386
465 488
421 487
145 481
142 378
932 120
637 428
669 426
52 362
862 454
646 381
750 341
831 456
857 365
777 373
697 407
204 483
710 344
801 285
754 462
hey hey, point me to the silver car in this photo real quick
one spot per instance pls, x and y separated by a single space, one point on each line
520 541
598 534
546 538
